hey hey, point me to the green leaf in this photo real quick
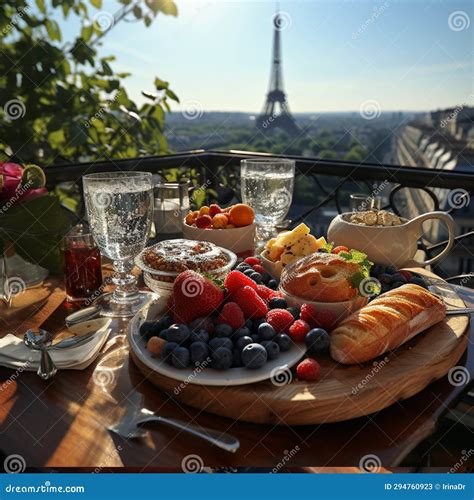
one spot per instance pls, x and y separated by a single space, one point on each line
168 7
137 11
87 32
53 29
160 84
172 95
41 6
96 3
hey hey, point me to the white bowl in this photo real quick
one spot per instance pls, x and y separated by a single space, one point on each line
240 240
270 266
341 309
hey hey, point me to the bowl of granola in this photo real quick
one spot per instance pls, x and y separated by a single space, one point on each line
161 263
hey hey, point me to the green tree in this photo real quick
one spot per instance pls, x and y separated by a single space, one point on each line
59 101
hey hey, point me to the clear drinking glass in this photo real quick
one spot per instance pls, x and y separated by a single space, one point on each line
267 186
120 209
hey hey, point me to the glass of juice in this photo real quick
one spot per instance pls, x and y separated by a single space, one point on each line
83 272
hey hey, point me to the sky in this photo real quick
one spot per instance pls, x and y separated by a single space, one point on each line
337 54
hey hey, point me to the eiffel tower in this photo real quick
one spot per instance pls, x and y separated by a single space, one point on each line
270 117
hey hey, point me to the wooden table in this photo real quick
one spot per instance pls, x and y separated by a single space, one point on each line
63 422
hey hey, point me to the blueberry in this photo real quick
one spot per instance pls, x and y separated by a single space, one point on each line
385 278
256 324
168 348
257 277
254 356
399 277
217 342
243 266
221 358
295 312
277 303
249 324
390 269
199 353
178 333
266 278
236 359
242 342
248 272
202 324
223 330
255 337
273 284
148 329
416 280
385 288
164 322
397 284
376 270
272 348
317 341
163 334
199 336
241 332
180 357
266 331
284 342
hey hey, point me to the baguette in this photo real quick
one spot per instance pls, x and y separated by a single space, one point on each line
385 324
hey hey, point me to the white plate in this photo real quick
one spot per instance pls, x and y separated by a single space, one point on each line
205 376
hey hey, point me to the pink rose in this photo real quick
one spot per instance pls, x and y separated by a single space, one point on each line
10 185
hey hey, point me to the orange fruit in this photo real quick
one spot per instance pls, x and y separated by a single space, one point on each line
219 221
204 210
191 218
241 215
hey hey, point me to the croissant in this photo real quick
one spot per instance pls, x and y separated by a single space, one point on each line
385 324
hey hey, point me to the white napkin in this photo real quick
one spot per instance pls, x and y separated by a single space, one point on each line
14 353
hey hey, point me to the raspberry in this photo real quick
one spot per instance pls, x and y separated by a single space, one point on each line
203 221
251 261
236 280
258 268
308 369
308 314
267 293
280 319
326 319
298 330
214 210
406 274
340 248
232 315
250 302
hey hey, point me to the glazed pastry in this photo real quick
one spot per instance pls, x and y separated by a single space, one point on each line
320 277
385 324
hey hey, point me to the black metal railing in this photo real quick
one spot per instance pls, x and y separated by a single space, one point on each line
322 188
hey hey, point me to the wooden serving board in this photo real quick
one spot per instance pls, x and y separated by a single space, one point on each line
343 392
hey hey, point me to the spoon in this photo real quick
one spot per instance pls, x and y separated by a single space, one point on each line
42 340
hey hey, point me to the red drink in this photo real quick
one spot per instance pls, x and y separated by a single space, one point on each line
83 273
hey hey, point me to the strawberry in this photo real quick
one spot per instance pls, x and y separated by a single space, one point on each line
280 319
298 330
251 261
251 304
232 315
236 280
267 293
195 296
308 369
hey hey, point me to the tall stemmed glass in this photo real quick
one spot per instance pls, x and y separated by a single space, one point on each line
119 206
267 186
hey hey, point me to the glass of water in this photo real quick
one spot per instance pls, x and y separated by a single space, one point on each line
267 186
119 207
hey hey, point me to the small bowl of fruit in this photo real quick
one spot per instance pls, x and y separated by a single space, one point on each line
232 227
